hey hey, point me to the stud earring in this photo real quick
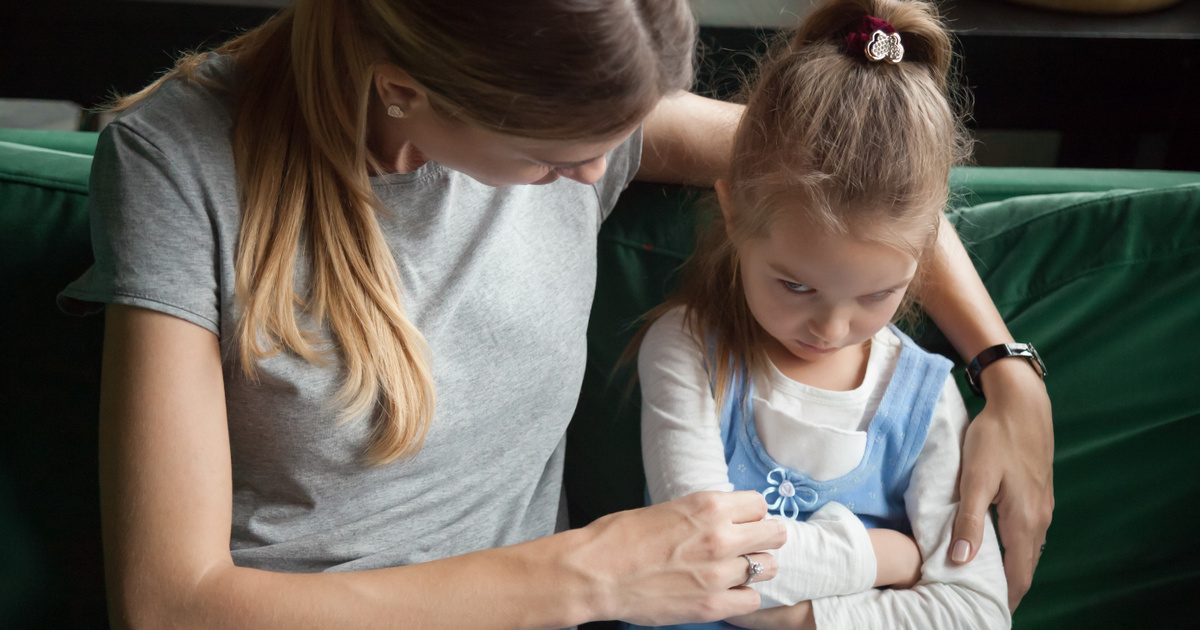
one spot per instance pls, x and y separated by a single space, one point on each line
395 112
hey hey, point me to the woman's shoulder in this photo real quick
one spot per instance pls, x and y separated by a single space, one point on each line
185 117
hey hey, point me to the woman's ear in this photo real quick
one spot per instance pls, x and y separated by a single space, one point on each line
725 200
397 88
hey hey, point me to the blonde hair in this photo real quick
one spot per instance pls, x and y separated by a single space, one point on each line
852 145
581 68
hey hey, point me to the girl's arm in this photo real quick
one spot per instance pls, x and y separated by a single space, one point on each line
798 617
830 554
166 497
948 595
1009 449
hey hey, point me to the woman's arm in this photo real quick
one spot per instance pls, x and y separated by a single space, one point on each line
166 497
688 139
1008 455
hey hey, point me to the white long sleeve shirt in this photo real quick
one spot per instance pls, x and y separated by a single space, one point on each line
828 559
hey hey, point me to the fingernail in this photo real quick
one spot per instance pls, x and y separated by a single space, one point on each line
960 551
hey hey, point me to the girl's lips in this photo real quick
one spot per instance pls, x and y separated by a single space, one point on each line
812 348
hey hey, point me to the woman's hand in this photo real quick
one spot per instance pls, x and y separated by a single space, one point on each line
1007 460
679 561
797 617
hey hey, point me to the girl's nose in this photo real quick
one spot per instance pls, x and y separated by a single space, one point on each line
831 328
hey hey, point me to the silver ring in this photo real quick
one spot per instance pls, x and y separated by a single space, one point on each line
753 570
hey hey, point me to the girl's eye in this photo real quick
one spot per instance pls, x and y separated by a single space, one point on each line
796 287
881 296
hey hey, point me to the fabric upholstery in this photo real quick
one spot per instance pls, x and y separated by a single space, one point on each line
1101 269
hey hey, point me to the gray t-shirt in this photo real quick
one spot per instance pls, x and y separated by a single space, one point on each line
499 280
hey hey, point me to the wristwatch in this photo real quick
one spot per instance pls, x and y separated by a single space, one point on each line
1002 351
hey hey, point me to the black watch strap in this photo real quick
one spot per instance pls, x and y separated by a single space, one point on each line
1002 351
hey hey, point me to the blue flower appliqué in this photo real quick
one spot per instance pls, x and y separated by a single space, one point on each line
790 499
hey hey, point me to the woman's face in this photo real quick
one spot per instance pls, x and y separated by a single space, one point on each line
494 159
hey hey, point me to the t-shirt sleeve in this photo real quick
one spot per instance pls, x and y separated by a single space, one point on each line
623 162
153 239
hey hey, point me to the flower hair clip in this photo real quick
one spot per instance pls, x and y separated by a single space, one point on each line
876 40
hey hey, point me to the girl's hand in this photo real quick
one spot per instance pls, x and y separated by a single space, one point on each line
678 561
798 617
1008 460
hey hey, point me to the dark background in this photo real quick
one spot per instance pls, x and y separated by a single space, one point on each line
1107 91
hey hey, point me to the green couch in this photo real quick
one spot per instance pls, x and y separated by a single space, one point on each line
1100 268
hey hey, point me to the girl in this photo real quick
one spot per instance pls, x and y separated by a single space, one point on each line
307 235
775 367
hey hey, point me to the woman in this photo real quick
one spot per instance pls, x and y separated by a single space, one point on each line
307 235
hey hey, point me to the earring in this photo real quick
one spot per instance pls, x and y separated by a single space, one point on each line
395 112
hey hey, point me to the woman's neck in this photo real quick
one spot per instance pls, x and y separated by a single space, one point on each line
391 150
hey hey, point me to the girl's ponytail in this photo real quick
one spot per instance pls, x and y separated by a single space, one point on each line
926 41
828 127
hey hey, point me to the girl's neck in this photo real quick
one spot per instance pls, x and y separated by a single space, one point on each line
840 371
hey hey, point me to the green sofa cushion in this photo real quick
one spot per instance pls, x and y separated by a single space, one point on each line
51 574
1108 286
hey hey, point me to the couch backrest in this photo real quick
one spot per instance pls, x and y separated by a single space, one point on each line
1107 283
51 575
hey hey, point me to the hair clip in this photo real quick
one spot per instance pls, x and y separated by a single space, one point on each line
874 39
884 46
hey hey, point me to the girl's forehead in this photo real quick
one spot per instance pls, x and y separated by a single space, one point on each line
836 261
862 224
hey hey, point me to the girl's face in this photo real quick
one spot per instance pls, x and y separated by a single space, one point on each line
818 295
